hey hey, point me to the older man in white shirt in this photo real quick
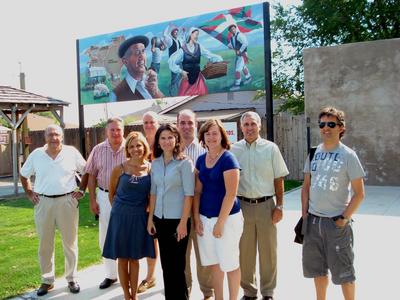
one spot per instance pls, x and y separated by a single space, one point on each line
55 199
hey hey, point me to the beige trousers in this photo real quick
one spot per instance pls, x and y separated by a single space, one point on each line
61 213
110 265
203 273
258 234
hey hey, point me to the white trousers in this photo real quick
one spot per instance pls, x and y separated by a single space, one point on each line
61 213
110 265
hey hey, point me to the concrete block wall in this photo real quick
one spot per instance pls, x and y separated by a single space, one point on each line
363 79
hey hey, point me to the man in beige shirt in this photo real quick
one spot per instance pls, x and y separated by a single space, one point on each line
261 178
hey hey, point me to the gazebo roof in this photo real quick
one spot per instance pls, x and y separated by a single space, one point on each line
10 96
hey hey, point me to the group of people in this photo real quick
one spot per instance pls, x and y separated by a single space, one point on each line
183 61
170 190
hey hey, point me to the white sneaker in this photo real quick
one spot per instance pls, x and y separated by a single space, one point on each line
234 87
247 80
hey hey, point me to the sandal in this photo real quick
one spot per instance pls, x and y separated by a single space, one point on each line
145 285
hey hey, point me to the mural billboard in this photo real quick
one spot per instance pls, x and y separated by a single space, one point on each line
211 53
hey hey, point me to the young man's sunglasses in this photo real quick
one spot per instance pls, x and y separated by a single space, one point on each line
330 124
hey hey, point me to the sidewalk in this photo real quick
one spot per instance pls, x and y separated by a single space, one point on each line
377 249
7 187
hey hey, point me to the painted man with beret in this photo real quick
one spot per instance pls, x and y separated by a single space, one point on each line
138 84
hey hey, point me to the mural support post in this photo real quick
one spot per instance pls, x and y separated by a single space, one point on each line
269 114
80 109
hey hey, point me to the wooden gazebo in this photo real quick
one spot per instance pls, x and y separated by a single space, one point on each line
15 105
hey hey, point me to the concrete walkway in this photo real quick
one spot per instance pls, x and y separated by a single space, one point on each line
7 187
377 248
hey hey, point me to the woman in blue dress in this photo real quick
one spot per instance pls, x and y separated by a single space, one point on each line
127 238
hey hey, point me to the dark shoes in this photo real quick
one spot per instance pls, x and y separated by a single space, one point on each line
268 298
106 283
74 287
44 288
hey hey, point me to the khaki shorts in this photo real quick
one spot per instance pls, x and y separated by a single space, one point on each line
327 246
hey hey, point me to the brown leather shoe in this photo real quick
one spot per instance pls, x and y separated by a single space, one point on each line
44 288
145 285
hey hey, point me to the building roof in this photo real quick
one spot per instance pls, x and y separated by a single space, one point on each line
221 114
37 122
10 95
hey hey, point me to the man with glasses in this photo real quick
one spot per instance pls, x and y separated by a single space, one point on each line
328 205
55 198
139 83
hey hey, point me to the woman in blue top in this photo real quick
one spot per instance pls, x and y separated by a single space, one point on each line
172 189
127 238
217 216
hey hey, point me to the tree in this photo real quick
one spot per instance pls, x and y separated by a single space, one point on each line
4 123
317 23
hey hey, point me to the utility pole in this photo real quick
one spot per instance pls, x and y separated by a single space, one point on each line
24 132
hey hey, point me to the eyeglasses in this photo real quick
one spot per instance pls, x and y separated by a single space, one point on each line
330 124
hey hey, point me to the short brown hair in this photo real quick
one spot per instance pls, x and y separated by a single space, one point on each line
157 151
331 111
225 143
140 137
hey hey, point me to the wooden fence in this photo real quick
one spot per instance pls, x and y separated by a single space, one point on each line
289 133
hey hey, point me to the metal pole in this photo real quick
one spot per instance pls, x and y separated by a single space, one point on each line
308 135
80 107
268 74
14 148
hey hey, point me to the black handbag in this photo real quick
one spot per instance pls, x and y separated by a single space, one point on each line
299 226
297 229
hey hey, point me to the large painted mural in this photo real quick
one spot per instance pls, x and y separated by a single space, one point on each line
211 53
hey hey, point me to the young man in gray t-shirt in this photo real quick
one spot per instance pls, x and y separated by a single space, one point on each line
327 207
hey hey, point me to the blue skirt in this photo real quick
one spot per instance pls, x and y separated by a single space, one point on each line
127 235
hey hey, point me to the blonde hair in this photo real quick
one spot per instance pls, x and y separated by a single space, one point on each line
140 137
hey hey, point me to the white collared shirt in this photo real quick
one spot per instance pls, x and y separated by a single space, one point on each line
54 176
138 85
194 150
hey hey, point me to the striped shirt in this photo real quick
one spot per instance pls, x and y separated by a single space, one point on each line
194 150
102 160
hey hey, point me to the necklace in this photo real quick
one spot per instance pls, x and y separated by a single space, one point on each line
212 159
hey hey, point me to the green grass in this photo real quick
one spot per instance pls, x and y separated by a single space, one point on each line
19 264
292 184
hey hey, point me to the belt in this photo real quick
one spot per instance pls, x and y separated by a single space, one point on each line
56 196
104 190
255 200
335 218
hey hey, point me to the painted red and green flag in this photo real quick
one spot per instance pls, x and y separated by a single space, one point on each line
218 26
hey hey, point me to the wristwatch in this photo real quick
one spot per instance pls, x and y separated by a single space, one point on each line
280 207
344 218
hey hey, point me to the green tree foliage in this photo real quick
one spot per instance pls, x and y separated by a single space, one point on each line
317 23
4 123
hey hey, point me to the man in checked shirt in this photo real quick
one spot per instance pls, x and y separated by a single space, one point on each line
102 160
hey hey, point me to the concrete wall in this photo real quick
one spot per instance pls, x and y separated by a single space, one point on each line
363 79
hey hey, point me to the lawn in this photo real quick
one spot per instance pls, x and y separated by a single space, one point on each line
292 184
19 266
